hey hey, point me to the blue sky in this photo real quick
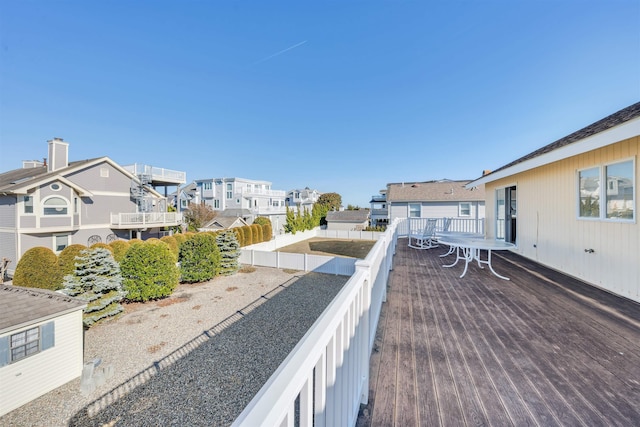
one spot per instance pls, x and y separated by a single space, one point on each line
340 96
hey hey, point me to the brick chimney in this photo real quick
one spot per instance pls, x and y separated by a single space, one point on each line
58 155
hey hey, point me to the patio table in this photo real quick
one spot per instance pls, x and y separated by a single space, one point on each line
470 247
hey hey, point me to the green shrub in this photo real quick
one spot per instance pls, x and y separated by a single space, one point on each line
267 229
101 245
96 279
67 259
149 271
199 258
256 233
229 252
179 238
119 248
239 235
173 245
38 268
248 235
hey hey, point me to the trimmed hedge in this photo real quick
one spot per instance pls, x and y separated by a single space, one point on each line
173 245
149 271
38 268
248 235
102 245
199 258
119 249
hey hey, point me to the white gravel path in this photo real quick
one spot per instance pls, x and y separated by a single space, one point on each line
192 359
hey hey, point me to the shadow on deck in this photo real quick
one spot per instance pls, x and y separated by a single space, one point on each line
541 349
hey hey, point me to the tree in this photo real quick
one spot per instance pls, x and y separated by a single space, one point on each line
332 201
229 252
96 280
353 207
198 215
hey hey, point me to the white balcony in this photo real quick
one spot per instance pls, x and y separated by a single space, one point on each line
262 192
160 176
145 219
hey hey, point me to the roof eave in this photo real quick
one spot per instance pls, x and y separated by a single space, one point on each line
610 136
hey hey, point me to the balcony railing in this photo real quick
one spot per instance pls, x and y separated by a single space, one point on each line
145 219
263 192
158 174
328 371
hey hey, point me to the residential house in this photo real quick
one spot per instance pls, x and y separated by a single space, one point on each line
223 223
438 199
56 203
302 198
349 220
244 198
379 210
571 205
41 343
183 196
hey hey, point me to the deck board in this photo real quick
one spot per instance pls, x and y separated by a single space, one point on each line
541 349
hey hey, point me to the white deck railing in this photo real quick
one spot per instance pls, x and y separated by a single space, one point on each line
157 174
328 371
460 225
146 219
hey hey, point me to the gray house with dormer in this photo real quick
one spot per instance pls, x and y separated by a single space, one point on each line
56 203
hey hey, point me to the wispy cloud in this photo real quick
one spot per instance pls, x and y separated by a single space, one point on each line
279 53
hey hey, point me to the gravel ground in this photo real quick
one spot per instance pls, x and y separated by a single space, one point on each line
196 358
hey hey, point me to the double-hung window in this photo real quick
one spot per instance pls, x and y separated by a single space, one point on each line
414 210
26 343
607 192
464 209
28 204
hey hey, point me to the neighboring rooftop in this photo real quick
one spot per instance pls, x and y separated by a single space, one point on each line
434 191
20 306
358 215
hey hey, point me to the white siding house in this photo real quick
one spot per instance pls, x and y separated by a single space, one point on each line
41 343
572 204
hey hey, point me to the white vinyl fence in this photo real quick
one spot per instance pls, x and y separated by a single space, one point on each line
328 371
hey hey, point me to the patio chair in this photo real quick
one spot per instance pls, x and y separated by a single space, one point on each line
425 239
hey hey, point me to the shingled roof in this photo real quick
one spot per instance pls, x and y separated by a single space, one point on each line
433 191
21 306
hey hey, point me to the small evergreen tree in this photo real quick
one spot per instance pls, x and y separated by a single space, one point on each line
38 268
229 252
290 225
149 271
97 281
199 258
67 259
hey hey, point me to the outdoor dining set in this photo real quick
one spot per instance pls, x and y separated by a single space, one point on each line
466 246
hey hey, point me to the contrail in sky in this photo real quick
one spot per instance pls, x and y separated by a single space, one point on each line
280 53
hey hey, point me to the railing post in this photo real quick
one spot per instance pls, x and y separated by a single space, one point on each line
363 339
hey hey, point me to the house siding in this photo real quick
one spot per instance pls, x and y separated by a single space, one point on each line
8 211
437 209
91 178
549 231
36 375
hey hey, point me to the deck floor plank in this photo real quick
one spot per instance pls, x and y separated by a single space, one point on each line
541 349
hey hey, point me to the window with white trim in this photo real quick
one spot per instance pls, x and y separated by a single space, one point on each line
55 206
615 200
464 209
207 185
229 191
414 210
60 241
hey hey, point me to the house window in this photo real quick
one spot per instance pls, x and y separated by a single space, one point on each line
55 186
464 209
55 206
28 204
229 191
206 186
183 203
414 210
617 193
25 344
620 190
60 241
21 345
216 204
76 205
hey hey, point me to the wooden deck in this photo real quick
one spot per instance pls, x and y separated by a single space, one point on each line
541 349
